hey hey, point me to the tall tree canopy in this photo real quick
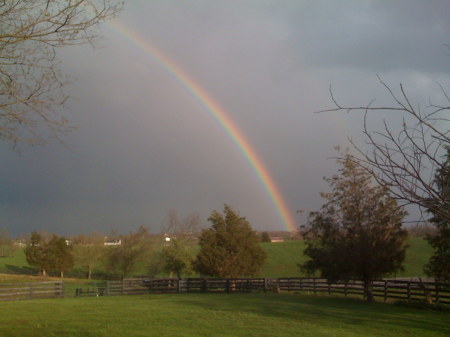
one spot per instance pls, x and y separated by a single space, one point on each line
230 248
31 82
357 234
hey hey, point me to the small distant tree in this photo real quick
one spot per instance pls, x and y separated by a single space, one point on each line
88 251
265 237
176 258
36 253
357 234
439 263
184 229
124 258
230 248
7 247
49 254
59 255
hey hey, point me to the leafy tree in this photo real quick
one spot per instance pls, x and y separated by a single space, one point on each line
31 83
88 251
357 234
59 255
135 247
36 252
176 258
230 248
439 264
265 237
49 255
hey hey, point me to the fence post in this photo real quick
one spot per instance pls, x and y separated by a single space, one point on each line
205 286
385 290
31 291
314 285
436 286
408 292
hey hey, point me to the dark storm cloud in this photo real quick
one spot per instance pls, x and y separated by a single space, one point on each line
144 145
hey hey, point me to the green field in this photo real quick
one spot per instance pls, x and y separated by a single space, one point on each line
282 260
217 315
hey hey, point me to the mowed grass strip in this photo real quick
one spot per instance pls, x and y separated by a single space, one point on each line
217 315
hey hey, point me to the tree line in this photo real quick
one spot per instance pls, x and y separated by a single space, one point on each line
229 248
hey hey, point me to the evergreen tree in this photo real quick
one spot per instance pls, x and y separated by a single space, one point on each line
230 248
357 234
439 263
49 255
36 253
59 255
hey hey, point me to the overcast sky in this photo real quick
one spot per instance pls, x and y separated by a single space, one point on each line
144 146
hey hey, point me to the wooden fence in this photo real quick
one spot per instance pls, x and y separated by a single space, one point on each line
190 285
431 292
385 289
28 291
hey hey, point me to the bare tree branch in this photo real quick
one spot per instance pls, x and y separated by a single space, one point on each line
31 82
406 161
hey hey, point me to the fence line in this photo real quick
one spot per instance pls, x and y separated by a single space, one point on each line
431 292
28 291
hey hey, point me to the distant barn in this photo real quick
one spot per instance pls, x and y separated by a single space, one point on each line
276 239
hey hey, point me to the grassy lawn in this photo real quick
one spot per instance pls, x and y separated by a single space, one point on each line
217 315
283 258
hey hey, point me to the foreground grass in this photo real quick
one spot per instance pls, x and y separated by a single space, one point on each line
216 315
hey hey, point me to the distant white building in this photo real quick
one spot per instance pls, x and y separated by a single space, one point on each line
113 242
276 239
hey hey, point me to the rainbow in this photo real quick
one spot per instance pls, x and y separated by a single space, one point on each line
218 113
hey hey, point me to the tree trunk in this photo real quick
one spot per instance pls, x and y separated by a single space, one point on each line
89 272
368 291
62 274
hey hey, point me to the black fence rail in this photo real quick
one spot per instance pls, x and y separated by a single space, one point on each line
28 291
409 290
431 292
136 286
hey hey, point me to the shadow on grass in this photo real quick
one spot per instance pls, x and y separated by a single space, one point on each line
23 270
329 311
